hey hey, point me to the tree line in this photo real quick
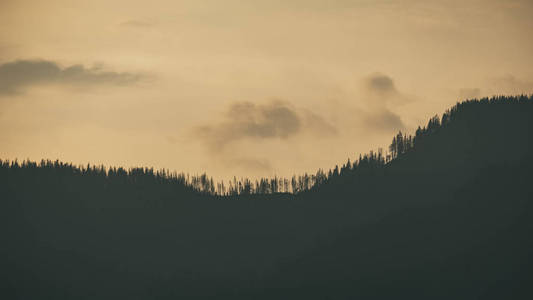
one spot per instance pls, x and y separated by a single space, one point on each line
203 184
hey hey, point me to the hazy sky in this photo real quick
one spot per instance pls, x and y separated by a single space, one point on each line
245 88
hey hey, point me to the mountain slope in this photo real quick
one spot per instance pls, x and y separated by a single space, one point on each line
449 217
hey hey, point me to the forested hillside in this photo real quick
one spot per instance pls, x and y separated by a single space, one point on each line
444 213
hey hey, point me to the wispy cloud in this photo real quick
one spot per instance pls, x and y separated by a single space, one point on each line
381 96
16 76
381 90
247 120
276 120
383 120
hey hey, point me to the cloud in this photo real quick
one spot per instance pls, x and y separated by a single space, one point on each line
246 120
381 84
318 126
246 125
384 120
381 98
271 120
380 90
18 75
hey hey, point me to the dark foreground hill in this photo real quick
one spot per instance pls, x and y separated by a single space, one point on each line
448 216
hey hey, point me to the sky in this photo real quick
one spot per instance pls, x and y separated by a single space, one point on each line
245 88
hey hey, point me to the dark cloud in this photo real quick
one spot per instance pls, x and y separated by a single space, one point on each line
257 122
380 90
382 97
248 120
17 75
380 83
384 120
272 120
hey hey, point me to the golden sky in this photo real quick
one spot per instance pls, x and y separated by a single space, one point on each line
246 88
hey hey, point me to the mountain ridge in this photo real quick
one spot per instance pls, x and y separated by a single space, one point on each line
447 216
